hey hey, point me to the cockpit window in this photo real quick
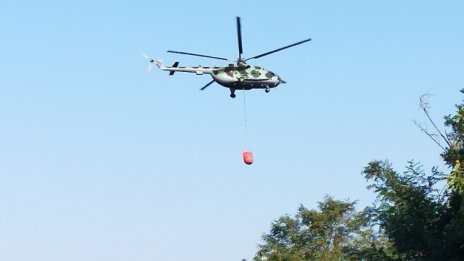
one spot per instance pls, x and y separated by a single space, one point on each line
255 73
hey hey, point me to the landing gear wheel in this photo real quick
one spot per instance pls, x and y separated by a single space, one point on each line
267 90
232 93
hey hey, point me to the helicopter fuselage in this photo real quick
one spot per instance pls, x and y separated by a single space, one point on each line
245 77
233 76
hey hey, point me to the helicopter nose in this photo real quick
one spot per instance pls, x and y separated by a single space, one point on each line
279 80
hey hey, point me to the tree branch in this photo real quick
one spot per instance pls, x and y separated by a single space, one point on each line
424 105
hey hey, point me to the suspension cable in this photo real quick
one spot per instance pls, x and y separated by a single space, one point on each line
245 117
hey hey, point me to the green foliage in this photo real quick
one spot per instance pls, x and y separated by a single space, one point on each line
454 155
334 232
412 213
422 222
454 158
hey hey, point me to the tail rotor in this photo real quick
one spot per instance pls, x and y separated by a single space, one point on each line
150 60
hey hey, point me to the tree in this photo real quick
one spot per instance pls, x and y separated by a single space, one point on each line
422 222
454 158
410 210
453 151
334 232
454 154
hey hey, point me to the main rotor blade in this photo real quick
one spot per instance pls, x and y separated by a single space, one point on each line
200 55
239 37
280 49
208 84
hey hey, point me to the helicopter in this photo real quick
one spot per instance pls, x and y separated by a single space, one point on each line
235 76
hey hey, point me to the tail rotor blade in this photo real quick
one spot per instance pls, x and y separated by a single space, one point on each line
149 67
206 86
150 62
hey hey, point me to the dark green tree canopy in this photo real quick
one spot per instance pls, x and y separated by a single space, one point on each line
423 217
409 209
333 232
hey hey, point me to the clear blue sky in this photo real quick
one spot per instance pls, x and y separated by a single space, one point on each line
102 161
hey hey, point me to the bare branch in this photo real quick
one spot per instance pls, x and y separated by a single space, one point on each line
431 135
424 105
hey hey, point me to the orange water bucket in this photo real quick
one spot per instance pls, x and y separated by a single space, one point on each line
248 157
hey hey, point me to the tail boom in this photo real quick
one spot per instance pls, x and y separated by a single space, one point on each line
189 69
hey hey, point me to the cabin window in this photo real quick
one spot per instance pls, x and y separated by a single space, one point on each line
270 75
